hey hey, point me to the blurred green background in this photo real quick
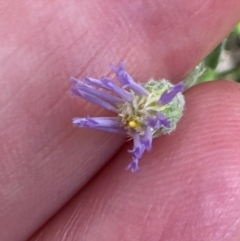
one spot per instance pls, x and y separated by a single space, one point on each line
222 63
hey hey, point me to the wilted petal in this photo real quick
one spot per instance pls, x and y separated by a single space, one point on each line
127 80
157 121
110 124
98 121
146 140
94 99
74 80
121 73
118 90
153 122
163 119
97 83
133 166
111 99
168 95
138 147
138 89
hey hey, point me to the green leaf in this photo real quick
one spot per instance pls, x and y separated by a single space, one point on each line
209 74
212 59
237 29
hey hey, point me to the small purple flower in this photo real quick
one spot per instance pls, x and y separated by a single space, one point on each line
144 111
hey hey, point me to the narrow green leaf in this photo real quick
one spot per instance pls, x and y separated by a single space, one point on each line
212 59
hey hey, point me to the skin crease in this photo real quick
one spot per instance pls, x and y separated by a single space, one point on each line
44 162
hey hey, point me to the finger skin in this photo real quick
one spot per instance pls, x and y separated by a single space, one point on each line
187 189
43 160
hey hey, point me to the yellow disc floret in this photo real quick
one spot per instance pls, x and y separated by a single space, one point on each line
132 124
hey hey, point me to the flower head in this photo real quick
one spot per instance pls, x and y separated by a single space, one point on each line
143 111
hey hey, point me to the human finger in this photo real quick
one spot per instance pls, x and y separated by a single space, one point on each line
187 189
42 157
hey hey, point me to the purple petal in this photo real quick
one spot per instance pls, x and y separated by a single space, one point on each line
140 144
109 124
138 147
158 121
97 83
168 95
127 80
133 166
146 140
163 119
88 80
94 99
153 122
111 99
121 73
138 89
74 80
98 121
118 90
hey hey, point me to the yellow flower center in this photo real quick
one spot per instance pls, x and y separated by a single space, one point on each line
132 124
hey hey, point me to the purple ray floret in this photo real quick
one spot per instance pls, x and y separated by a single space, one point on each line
138 149
140 144
96 83
133 166
146 140
125 95
127 80
113 100
158 121
109 124
168 95
93 98
163 119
